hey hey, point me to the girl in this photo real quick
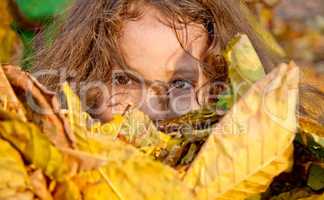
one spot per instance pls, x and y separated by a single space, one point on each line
164 56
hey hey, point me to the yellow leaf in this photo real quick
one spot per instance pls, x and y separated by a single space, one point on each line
128 174
36 148
13 174
74 111
77 121
139 130
128 169
99 191
245 67
81 124
68 190
6 18
82 127
111 128
252 144
10 48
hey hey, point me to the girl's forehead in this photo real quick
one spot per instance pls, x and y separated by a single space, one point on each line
153 49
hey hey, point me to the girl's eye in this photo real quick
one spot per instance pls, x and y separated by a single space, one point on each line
181 84
121 79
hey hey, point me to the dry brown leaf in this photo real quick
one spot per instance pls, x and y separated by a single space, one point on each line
39 185
8 100
40 111
311 109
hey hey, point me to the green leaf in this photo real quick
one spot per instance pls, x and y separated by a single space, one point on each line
316 177
191 154
225 102
313 197
294 194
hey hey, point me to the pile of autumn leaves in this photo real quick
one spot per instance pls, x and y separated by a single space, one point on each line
50 152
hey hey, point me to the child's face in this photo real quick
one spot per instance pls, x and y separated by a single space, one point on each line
162 79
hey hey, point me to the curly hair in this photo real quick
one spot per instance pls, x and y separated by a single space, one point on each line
87 45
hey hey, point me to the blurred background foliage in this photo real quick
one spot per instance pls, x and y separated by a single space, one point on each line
21 22
298 25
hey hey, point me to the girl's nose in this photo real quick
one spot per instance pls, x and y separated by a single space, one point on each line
155 103
158 104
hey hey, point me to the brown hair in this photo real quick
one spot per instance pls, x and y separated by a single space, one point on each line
87 47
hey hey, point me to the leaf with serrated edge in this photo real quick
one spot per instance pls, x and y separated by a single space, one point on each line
252 144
